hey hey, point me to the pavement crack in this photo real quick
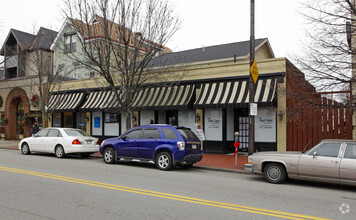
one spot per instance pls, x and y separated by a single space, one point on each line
26 212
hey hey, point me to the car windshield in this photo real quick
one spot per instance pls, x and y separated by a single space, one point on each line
188 134
72 132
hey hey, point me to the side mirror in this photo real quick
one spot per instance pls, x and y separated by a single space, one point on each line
123 138
315 154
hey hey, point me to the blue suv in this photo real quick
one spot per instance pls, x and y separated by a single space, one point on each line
163 145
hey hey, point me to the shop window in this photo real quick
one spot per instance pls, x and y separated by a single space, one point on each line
68 120
57 120
172 117
111 118
81 121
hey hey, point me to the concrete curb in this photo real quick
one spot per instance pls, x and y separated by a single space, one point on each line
223 169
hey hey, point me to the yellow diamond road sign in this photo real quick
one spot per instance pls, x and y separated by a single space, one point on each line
254 71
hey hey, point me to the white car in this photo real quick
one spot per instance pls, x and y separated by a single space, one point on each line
60 141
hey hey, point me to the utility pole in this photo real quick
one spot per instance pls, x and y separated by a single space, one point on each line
251 128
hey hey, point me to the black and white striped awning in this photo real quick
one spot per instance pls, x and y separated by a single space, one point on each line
235 93
99 100
65 102
175 97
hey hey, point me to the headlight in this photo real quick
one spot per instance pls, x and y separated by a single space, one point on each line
102 143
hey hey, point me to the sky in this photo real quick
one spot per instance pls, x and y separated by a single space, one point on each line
205 23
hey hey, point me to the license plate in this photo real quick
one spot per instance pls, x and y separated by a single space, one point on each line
194 146
89 142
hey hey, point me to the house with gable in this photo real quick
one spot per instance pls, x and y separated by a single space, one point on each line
20 75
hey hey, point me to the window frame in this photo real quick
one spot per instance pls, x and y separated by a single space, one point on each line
71 46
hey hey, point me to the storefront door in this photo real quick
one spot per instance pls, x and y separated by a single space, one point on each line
242 126
172 117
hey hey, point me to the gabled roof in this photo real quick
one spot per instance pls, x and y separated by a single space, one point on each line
27 41
23 39
44 39
217 52
95 30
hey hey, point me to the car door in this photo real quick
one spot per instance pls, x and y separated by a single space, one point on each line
51 140
148 143
37 142
321 163
128 144
348 164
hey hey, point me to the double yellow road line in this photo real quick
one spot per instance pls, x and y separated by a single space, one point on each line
241 208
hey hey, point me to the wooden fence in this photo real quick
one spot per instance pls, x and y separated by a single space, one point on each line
308 124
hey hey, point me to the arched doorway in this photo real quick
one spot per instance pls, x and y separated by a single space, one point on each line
17 105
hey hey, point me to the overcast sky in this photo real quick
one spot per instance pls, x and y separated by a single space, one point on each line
205 23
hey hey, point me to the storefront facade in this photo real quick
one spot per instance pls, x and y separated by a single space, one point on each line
212 95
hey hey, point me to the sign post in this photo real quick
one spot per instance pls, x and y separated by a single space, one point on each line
252 82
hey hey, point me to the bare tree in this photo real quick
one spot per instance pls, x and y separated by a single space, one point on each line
119 39
44 82
327 59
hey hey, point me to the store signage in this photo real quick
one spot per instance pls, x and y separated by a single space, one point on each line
32 115
97 122
265 125
253 109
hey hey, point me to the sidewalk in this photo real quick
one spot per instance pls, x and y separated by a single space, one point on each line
222 162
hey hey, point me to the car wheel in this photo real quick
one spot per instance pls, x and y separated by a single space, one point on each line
109 155
164 161
25 149
59 151
275 173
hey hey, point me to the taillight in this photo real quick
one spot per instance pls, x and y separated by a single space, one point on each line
76 141
98 142
181 145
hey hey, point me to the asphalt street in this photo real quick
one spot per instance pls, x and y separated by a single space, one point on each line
41 186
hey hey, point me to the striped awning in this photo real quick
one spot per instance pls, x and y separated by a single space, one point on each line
235 93
175 97
98 100
65 102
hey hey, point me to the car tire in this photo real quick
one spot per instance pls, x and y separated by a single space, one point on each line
59 151
109 155
164 161
25 149
275 173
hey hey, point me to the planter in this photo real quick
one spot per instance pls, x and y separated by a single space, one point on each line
2 136
21 136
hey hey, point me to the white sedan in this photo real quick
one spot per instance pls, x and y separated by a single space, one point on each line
60 141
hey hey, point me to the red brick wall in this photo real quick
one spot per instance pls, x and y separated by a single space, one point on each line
12 100
311 118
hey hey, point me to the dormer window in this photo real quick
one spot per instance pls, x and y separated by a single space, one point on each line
70 43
